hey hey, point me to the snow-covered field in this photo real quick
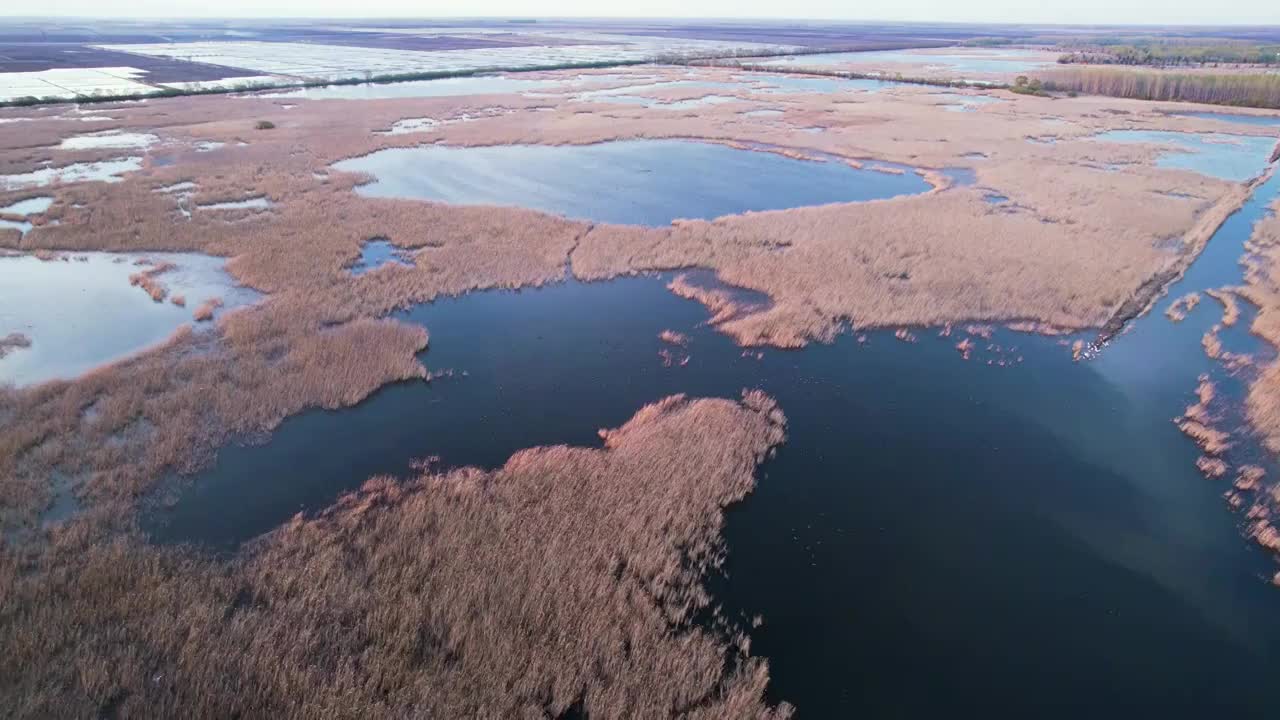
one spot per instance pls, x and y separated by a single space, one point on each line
333 62
286 63
68 83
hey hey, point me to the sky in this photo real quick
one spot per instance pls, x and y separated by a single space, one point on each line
1015 11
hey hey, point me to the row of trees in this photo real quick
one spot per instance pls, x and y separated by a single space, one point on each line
1164 54
1252 90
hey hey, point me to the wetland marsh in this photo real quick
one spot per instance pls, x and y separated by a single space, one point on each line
485 395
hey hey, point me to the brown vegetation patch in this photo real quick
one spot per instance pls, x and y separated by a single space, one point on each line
1249 477
13 341
671 337
568 579
206 309
1230 308
1211 343
1212 467
146 279
1178 309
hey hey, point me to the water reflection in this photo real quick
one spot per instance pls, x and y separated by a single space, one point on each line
642 182
81 311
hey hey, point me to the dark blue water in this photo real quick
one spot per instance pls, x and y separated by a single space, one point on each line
638 182
1016 534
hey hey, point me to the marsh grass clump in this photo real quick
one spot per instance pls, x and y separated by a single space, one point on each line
1179 308
146 279
13 341
206 309
568 578
1230 308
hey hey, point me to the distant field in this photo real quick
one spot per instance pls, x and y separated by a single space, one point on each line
26 57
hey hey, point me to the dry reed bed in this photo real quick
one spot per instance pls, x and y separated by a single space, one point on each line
1179 308
569 578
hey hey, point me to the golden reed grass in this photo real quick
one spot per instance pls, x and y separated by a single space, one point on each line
569 579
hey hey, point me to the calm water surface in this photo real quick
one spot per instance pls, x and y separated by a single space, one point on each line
445 87
938 537
984 61
82 312
640 182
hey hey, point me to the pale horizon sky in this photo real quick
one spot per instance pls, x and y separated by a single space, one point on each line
1148 12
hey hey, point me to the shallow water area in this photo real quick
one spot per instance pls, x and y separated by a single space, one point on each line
444 87
80 311
638 182
1240 118
636 93
30 206
960 102
777 84
1227 157
377 253
109 139
984 61
261 202
104 171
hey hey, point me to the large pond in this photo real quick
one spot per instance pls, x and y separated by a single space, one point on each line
1238 118
935 534
444 87
1220 155
640 182
79 310
974 61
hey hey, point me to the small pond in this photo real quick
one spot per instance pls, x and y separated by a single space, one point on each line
445 87
103 171
80 310
1227 157
639 182
377 253
109 139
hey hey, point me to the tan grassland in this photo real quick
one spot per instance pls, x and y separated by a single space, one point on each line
568 578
